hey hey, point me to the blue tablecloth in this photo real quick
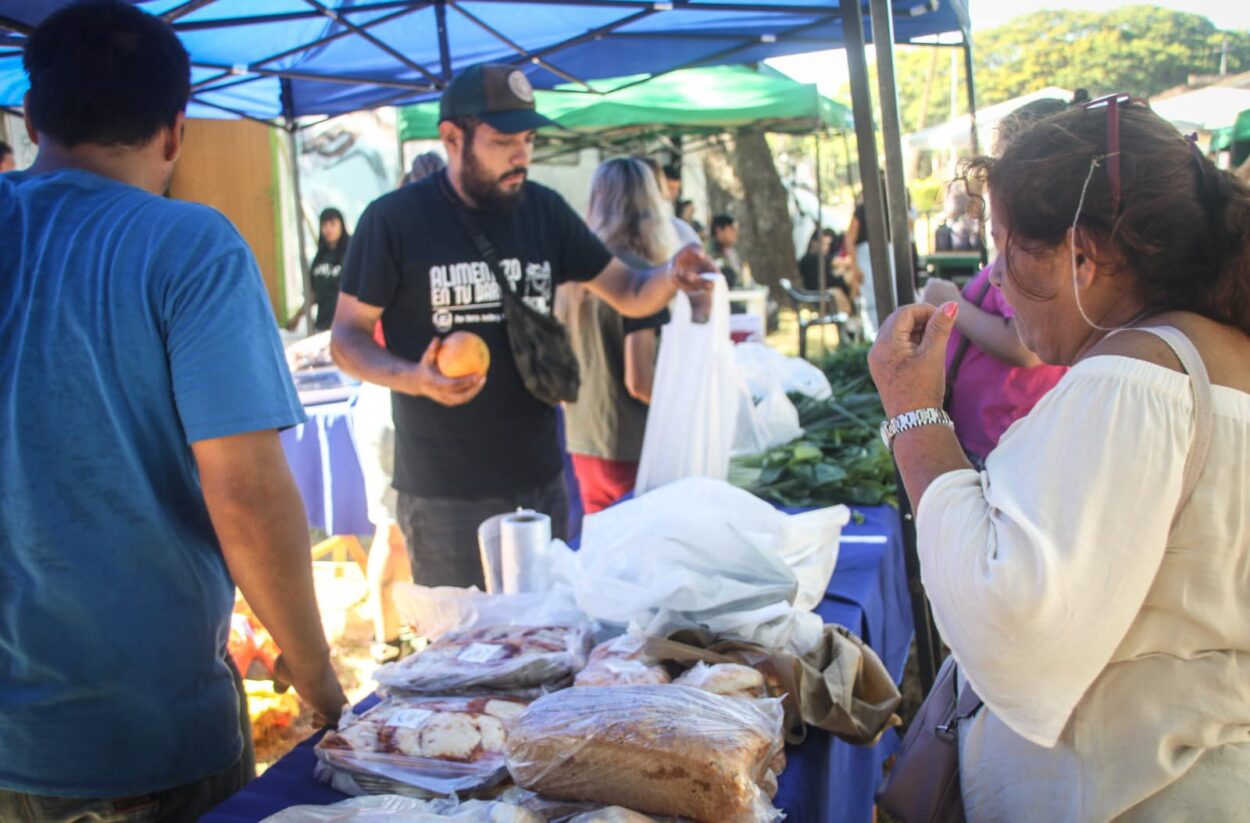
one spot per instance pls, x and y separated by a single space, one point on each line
322 456
323 460
825 781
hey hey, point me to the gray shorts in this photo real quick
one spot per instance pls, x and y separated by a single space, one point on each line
441 533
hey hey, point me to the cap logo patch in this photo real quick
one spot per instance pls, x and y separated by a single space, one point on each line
520 85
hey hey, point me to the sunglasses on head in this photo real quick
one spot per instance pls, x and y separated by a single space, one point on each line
1113 102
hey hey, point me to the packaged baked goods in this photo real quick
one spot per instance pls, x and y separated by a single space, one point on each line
492 658
621 662
437 744
391 808
663 750
725 679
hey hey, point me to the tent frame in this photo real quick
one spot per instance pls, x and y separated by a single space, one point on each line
889 291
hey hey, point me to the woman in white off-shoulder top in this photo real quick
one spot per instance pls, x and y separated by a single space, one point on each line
1107 632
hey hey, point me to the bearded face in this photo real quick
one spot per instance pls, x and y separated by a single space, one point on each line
490 175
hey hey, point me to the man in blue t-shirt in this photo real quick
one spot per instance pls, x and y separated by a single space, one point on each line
142 385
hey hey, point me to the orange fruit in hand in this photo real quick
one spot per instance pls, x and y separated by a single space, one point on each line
463 353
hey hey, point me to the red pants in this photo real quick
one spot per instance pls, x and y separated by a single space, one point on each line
602 482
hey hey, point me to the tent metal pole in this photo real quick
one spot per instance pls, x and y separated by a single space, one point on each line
444 49
378 42
822 276
869 169
972 93
515 46
288 107
892 136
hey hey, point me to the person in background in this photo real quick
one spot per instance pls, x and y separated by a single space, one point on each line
821 247
959 231
423 165
855 244
8 160
1093 582
724 249
141 471
685 211
686 234
994 379
616 354
672 183
470 447
325 272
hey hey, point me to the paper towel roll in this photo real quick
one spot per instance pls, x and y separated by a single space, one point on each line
524 554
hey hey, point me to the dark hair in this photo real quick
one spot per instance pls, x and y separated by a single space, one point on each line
672 171
332 214
5 149
1024 118
722 221
105 73
1183 229
468 124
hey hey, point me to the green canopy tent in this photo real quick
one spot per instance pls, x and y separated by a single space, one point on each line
692 101
1235 139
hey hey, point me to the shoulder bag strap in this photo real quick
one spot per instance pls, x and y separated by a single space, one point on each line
1200 382
962 349
474 229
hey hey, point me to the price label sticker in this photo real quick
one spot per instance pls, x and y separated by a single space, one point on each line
480 653
409 718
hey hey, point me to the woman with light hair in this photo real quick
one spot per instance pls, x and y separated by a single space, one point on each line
616 354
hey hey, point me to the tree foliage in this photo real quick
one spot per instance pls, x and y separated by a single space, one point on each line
1139 49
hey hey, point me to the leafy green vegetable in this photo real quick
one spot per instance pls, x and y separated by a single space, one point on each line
840 457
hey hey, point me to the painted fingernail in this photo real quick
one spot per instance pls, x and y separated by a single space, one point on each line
950 308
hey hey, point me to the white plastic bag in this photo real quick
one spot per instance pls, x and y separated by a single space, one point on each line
763 368
433 612
694 399
764 424
701 552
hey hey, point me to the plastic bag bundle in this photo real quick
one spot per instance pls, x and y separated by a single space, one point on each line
694 399
391 808
701 552
437 744
434 611
492 658
663 750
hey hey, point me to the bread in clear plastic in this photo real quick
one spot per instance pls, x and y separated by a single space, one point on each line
663 750
504 658
621 662
436 744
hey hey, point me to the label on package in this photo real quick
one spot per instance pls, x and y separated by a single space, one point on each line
480 653
409 718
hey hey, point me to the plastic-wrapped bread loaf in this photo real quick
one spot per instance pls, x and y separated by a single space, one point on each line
666 750
500 658
726 679
621 662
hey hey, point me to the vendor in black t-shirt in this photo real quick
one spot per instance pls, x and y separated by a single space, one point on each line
325 272
471 447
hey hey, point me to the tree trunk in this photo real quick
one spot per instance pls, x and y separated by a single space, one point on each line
764 218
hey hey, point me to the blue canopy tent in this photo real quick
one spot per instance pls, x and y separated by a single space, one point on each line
280 60
293 58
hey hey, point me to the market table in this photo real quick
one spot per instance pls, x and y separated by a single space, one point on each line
323 460
825 781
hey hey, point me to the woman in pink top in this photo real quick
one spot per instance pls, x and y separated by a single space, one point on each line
998 380
993 380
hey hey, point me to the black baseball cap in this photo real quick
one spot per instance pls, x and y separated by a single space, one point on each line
498 94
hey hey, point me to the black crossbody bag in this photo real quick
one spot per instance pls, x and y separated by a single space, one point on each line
540 344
